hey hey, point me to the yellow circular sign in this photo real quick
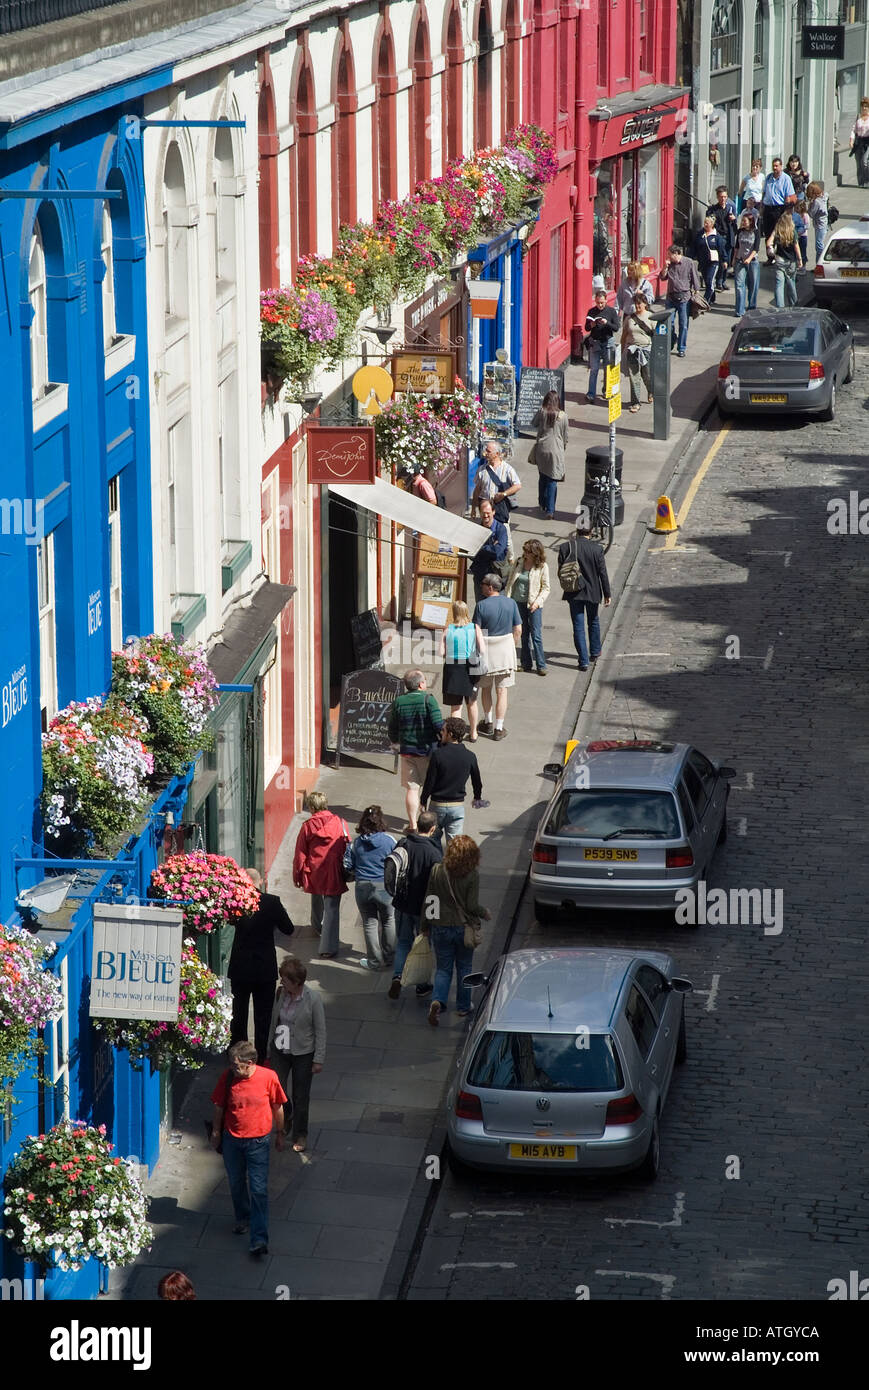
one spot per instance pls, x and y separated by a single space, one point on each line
371 385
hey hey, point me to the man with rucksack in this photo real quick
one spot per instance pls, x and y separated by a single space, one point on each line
584 581
405 876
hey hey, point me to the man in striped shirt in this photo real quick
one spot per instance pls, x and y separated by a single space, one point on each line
414 724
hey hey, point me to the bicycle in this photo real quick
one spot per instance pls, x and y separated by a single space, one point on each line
600 522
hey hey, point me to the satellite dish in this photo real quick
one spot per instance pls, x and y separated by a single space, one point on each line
371 386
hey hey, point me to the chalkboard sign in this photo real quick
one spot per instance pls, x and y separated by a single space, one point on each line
365 700
533 385
367 647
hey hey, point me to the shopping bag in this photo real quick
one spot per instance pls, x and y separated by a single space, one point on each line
420 964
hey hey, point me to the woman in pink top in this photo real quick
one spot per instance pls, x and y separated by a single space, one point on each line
859 143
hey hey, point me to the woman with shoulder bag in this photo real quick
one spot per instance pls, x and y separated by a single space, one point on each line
529 587
297 1044
461 646
785 250
363 861
637 336
548 453
451 915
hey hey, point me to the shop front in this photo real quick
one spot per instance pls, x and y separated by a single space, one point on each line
500 262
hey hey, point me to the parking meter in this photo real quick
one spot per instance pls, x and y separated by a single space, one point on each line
659 369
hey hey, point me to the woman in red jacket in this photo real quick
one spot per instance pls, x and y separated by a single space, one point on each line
317 869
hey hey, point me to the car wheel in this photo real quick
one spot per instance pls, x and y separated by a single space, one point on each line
648 1169
830 412
545 913
851 365
681 1045
723 412
455 1165
722 834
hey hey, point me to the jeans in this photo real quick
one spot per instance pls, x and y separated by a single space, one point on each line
785 285
803 239
448 944
407 924
324 919
597 352
821 228
547 492
746 275
247 1167
263 998
724 252
378 915
709 280
450 818
681 319
532 636
582 611
636 373
295 1075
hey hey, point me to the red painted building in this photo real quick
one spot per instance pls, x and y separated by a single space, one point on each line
601 77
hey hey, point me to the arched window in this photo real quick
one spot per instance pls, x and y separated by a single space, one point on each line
454 142
345 141
420 107
224 210
483 79
511 101
647 46
384 122
175 237
603 45
270 272
536 54
565 53
108 287
726 35
305 164
39 324
760 34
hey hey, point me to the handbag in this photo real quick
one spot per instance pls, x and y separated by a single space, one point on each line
420 963
532 456
347 866
473 931
697 304
503 508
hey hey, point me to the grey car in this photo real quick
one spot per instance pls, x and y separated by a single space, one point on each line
630 823
568 1062
789 361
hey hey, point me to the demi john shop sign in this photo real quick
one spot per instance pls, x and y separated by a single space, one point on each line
136 961
340 455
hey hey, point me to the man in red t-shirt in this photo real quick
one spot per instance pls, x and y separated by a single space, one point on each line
248 1104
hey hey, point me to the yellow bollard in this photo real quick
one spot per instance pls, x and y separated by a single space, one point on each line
665 517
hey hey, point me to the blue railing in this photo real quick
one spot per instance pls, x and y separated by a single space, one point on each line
16 15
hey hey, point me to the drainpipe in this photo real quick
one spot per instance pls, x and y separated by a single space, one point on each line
586 97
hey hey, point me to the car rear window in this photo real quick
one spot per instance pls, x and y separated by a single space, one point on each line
590 815
546 1062
798 340
846 248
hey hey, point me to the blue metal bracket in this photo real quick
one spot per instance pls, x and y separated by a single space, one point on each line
235 689
43 193
187 125
81 865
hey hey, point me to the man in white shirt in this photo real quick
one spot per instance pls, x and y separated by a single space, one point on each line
495 482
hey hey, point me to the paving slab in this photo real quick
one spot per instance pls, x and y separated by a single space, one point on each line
347 1209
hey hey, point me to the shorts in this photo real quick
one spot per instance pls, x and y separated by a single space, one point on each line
414 766
498 680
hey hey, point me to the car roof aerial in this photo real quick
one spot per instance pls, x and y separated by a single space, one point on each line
579 985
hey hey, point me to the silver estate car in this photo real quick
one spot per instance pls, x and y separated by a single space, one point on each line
843 270
568 1063
630 822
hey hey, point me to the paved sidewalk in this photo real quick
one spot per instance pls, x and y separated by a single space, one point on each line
344 1215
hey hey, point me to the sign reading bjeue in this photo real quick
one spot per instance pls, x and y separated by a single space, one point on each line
341 454
136 961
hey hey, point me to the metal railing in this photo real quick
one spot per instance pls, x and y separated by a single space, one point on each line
16 15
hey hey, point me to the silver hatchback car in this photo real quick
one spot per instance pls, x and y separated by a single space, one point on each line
568 1062
629 824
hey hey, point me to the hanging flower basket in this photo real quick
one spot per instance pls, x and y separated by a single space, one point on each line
170 685
214 890
29 998
69 1199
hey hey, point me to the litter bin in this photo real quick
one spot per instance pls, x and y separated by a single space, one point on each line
597 465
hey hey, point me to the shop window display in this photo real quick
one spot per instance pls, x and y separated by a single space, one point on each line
605 232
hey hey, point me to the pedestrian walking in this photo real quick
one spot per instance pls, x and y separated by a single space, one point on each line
491 558
634 283
785 250
858 143
363 861
253 966
746 266
528 586
723 213
460 643
317 869
446 783
680 276
496 482
709 250
585 601
548 451
500 625
248 1104
297 1044
413 725
637 335
419 850
601 322
778 194
423 485
818 204
797 174
752 185
452 914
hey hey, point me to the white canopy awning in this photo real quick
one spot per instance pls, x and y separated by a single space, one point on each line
385 499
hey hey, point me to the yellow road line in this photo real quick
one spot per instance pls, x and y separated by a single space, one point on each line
682 514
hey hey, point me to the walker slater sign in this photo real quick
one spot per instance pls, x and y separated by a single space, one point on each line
136 962
823 41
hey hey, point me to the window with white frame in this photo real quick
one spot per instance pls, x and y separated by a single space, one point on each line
109 329
59 1050
176 236
115 580
646 50
39 324
47 631
760 34
271 552
726 34
179 499
228 461
224 210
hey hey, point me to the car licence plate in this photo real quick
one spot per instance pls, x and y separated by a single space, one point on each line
622 855
854 271
767 399
565 1153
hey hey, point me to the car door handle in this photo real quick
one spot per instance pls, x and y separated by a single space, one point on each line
653 1069
666 1032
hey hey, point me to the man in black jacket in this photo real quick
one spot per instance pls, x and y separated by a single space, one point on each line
423 850
594 585
253 967
446 782
601 322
